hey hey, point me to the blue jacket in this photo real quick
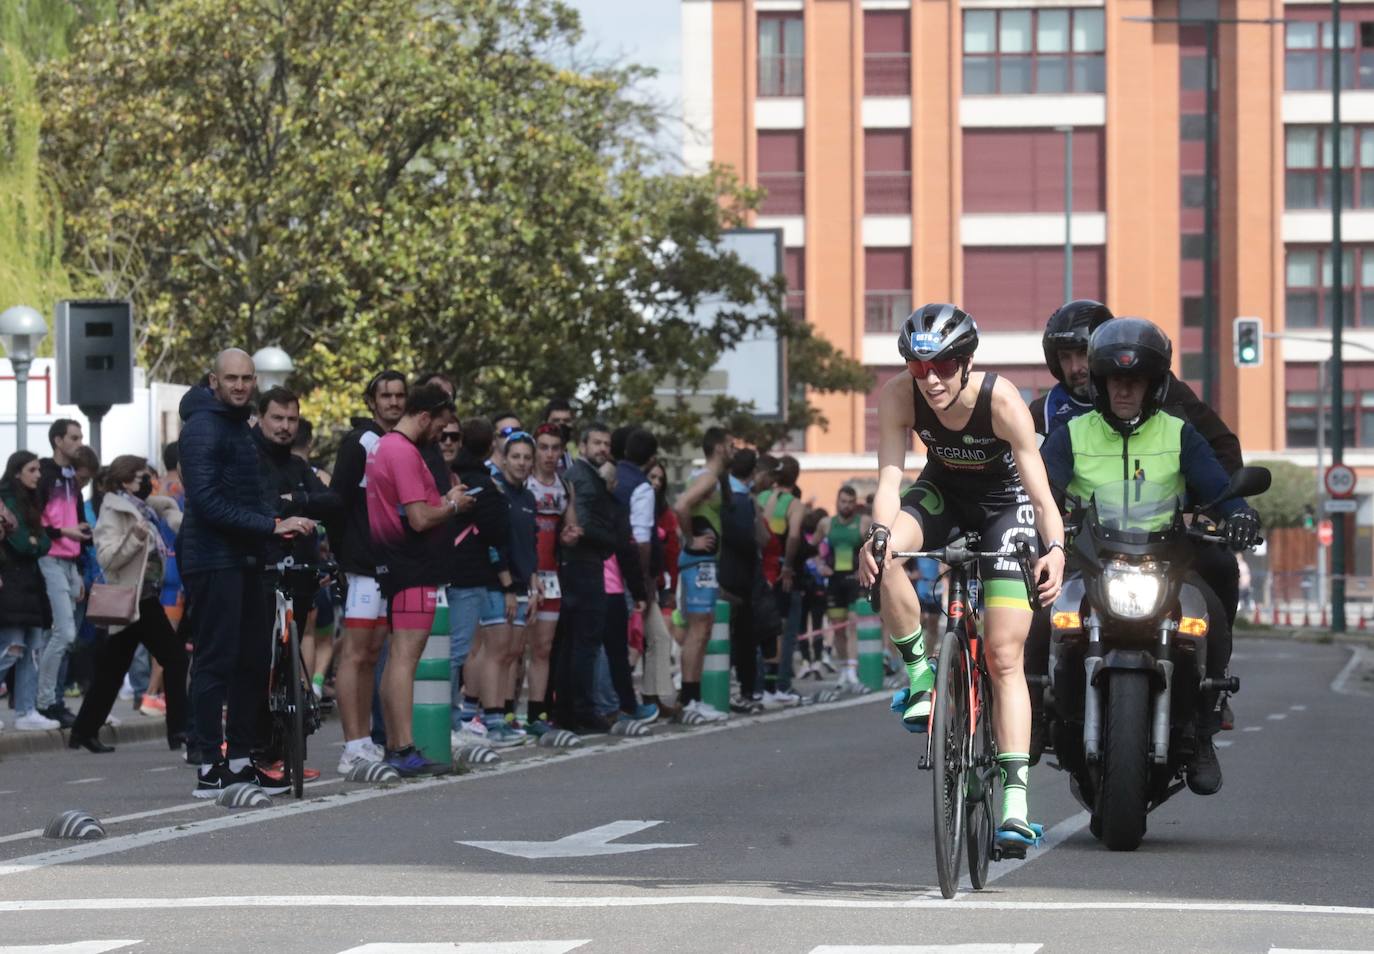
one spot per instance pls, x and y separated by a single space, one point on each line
227 519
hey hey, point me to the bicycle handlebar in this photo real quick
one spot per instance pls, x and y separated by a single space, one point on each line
288 565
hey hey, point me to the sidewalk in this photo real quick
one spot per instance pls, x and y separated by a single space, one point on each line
133 727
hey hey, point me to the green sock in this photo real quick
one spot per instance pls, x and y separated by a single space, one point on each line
1015 768
912 648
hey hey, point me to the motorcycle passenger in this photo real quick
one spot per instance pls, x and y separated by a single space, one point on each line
1125 437
982 474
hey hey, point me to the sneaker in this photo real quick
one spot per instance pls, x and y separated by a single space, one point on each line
644 712
502 736
210 782
411 764
746 705
475 729
72 692
277 773
781 699
35 721
374 751
126 691
252 775
707 712
348 761
113 720
538 728
58 711
153 706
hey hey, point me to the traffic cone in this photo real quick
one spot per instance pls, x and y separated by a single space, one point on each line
1323 617
1362 625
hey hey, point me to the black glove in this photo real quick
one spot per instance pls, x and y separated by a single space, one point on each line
1242 530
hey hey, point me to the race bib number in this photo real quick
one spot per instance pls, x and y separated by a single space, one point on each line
548 581
844 561
706 575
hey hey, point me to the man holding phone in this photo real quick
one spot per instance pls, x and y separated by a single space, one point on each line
60 497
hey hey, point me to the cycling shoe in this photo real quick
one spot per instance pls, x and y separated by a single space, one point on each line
1015 832
914 720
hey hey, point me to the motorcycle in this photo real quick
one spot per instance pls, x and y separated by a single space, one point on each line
1128 651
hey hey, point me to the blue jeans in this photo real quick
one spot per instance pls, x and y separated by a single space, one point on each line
64 583
465 606
140 672
603 692
29 639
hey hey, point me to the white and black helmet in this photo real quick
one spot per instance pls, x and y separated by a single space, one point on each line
937 331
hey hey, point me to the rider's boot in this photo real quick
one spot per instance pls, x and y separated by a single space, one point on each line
1015 831
1204 772
916 712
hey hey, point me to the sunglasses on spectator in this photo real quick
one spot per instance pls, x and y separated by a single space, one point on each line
510 429
451 437
512 435
944 368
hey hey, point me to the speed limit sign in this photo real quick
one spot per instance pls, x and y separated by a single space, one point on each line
1340 480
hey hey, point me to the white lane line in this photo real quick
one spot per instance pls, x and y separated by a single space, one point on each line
1358 655
1053 838
1298 708
164 768
84 781
142 839
927 949
77 947
469 947
666 899
1276 716
1253 728
1222 743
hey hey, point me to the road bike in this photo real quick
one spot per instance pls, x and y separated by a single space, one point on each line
960 747
291 703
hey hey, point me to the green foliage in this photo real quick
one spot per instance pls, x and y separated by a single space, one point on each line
1293 488
408 183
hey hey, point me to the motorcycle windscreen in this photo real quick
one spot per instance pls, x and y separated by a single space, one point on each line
1134 511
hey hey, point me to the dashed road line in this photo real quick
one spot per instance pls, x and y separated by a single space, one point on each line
1276 716
85 781
1253 728
1298 708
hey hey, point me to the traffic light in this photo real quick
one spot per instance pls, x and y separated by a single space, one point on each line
1249 343
1309 517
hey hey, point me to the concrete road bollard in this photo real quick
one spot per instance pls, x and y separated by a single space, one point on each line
869 630
432 706
715 674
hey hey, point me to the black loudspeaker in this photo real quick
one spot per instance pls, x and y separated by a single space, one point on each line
95 353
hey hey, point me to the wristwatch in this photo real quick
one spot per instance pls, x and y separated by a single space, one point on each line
1052 544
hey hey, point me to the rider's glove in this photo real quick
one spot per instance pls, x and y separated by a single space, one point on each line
1242 529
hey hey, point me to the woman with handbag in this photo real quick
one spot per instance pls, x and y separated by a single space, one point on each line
132 554
24 608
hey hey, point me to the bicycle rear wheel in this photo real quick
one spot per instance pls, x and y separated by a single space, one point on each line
295 697
949 749
982 787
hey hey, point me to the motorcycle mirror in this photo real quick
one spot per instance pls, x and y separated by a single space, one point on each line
1246 482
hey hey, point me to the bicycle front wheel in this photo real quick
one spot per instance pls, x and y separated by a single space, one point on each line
982 787
295 696
949 745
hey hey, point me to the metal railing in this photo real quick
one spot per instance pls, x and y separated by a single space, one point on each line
786 193
887 193
885 311
887 74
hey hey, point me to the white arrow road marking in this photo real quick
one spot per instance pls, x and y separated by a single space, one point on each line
470 947
80 947
1358 655
927 949
584 844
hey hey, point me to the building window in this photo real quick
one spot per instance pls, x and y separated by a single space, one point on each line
1192 127
780 55
1013 289
1022 170
1191 366
1301 418
887 171
1193 245
1192 312
1194 191
794 269
782 171
1308 55
1012 52
1308 180
887 284
887 53
1308 299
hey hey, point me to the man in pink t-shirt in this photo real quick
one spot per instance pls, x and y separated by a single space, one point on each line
406 517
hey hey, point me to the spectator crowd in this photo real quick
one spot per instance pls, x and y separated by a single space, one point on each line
580 590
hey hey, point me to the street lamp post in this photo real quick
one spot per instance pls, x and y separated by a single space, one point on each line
21 330
1068 210
273 366
1337 324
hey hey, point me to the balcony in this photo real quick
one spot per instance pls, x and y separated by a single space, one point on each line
884 311
887 193
780 74
887 74
786 193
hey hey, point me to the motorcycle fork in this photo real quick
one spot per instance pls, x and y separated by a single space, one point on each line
1092 693
1159 730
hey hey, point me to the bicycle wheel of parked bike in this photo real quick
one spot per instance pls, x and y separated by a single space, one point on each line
982 787
295 705
948 751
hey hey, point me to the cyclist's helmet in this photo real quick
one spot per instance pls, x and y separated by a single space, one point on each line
1129 346
1069 327
937 331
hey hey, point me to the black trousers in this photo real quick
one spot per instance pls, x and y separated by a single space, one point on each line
616 639
232 629
581 632
1217 565
112 661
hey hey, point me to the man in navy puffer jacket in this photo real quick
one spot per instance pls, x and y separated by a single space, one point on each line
227 522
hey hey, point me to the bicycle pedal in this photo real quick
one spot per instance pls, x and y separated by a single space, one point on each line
1009 853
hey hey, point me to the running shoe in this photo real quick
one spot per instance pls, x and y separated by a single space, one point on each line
746 705
502 736
253 775
781 699
374 751
35 721
210 782
153 706
409 763
348 761
644 712
538 728
277 773
706 712
475 729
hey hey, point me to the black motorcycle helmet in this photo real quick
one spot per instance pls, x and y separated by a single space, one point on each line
1070 327
1134 347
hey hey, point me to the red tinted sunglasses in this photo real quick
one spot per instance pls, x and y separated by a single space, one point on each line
944 368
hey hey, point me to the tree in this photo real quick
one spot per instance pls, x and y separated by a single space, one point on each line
408 183
1292 491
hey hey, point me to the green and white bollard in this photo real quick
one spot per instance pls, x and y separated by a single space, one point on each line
869 636
432 707
715 673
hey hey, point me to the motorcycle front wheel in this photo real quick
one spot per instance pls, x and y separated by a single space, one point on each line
1123 796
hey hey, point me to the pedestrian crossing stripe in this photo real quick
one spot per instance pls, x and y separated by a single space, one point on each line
78 947
926 949
469 947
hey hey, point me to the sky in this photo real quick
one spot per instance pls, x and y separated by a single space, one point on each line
646 32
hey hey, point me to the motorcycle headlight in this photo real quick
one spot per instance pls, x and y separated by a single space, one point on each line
1133 592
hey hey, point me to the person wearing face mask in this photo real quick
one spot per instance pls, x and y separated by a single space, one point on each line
130 545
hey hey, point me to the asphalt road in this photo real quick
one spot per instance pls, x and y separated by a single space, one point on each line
804 831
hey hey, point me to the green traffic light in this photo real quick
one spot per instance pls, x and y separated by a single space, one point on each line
1247 353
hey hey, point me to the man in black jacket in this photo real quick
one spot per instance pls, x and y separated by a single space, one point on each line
223 534
364 628
581 627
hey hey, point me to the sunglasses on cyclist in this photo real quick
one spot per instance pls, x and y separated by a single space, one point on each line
943 368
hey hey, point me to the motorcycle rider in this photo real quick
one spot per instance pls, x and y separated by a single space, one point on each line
1128 371
1065 344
